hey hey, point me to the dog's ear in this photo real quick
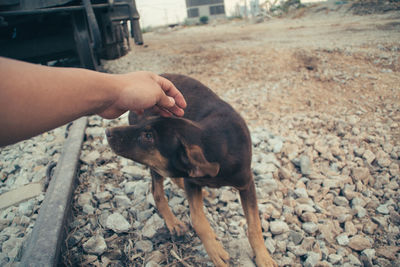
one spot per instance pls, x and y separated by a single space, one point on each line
198 166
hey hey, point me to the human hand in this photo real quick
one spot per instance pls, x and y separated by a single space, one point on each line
138 91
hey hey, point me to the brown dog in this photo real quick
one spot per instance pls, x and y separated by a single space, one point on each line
209 146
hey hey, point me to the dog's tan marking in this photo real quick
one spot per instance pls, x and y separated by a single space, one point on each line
214 248
174 225
154 160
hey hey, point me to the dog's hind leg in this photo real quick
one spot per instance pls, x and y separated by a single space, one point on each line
249 204
179 182
174 225
203 229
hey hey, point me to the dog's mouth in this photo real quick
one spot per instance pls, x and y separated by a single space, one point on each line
108 133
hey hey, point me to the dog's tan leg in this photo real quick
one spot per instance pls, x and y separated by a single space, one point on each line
203 229
249 203
174 225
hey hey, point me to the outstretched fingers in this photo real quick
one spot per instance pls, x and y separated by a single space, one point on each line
173 101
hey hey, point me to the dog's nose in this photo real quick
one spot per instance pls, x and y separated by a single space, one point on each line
108 132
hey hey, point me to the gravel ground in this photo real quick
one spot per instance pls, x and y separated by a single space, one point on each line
320 92
21 164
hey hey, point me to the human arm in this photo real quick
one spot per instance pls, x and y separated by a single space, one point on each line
35 98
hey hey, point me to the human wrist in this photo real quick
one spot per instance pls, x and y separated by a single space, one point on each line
109 90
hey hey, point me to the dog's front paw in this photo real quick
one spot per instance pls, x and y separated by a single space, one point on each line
176 227
218 255
265 260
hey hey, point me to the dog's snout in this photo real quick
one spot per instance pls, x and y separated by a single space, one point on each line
108 132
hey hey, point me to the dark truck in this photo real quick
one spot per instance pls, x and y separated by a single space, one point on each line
48 30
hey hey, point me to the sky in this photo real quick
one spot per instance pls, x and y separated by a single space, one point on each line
162 12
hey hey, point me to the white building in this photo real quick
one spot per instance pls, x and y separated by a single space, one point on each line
213 9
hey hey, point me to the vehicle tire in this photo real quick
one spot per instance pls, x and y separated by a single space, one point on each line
84 44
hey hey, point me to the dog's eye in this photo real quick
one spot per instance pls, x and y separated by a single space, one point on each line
147 137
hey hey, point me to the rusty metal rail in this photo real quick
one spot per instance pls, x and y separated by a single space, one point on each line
43 248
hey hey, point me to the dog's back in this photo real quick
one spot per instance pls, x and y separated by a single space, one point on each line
225 134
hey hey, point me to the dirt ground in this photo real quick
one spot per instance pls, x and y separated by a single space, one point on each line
322 59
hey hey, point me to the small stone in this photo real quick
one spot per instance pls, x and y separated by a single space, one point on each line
350 228
341 201
309 217
152 263
361 212
369 253
383 209
263 168
369 227
296 237
320 147
369 156
360 174
11 243
305 165
278 227
335 259
365 261
25 221
285 174
176 201
117 223
151 227
122 201
270 244
383 159
91 157
380 220
95 245
156 256
354 260
129 187
133 171
388 252
312 259
95 131
266 186
310 227
227 196
277 145
103 197
88 209
281 246
395 217
26 208
342 239
358 202
384 262
144 245
359 151
85 198
359 243
301 193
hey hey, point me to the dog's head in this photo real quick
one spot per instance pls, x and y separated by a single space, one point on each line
170 146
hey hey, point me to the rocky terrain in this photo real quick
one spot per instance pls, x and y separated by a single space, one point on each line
320 91
21 165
